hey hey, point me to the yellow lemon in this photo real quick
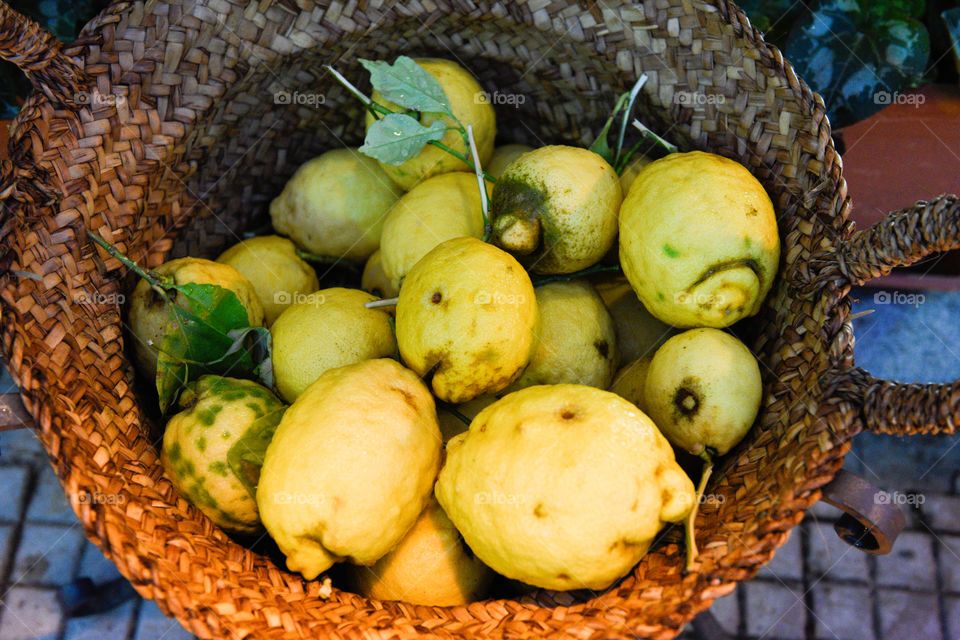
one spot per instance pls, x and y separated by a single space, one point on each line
350 467
468 103
698 240
467 314
638 332
630 381
374 280
437 209
703 389
636 164
576 342
335 204
431 566
272 266
562 486
503 156
330 328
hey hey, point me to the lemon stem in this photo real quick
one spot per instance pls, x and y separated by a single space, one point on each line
669 146
690 537
483 188
387 302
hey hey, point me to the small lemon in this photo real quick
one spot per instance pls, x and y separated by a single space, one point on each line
703 389
467 314
431 566
335 204
503 156
698 240
468 103
437 209
630 381
636 164
149 315
576 342
350 467
557 207
213 449
272 266
638 332
374 280
562 486
330 328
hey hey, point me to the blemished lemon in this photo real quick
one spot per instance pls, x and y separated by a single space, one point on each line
562 486
576 341
468 103
350 467
467 314
431 566
703 389
335 205
272 266
698 240
213 448
149 315
437 209
556 207
327 329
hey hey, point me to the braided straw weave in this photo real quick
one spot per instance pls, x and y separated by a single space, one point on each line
158 129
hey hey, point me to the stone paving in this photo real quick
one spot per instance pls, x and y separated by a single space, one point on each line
816 587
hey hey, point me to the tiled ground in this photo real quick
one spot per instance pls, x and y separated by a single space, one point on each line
816 587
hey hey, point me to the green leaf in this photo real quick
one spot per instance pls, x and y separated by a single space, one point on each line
198 339
408 85
397 137
601 146
245 457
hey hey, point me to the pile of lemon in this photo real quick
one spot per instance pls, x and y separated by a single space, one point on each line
501 415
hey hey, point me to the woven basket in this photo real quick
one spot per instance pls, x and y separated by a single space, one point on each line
158 130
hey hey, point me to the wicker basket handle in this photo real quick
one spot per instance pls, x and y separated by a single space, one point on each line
38 54
900 239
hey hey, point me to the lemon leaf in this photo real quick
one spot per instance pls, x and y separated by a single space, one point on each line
397 137
408 85
245 457
201 338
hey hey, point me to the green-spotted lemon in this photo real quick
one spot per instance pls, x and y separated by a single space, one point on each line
213 449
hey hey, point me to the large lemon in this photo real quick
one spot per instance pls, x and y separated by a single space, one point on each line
469 104
430 566
272 266
350 467
213 449
437 209
562 486
149 315
467 314
698 240
335 204
327 329
576 342
556 207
